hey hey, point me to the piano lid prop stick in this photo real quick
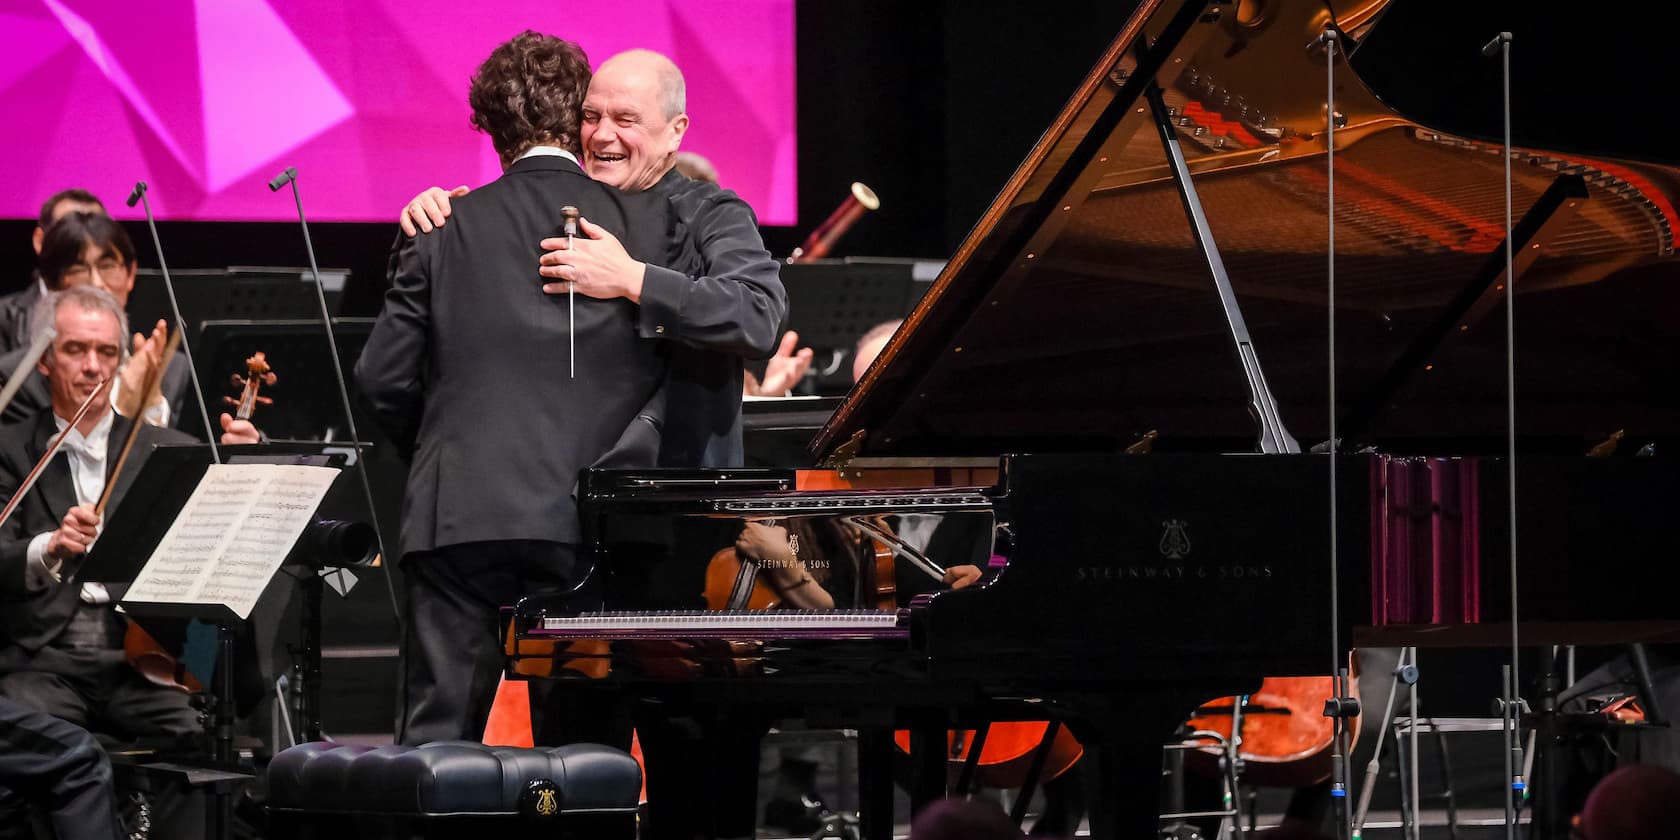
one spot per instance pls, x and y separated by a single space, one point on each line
570 214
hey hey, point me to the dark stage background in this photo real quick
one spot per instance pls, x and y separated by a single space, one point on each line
933 104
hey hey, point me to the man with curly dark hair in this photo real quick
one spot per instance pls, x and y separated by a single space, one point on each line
467 368
729 307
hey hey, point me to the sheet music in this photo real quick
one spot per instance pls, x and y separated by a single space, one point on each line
232 535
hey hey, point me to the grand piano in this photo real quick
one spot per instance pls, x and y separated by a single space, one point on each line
1076 412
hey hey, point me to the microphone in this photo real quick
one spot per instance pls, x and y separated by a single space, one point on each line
282 179
570 227
139 194
289 176
1491 49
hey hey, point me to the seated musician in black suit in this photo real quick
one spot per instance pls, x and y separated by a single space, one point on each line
92 249
15 307
61 640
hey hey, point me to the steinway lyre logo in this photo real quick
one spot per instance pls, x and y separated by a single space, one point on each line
541 798
1175 542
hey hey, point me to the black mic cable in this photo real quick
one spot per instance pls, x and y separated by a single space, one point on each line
139 195
289 176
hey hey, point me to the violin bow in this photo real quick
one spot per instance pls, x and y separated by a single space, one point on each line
151 388
52 449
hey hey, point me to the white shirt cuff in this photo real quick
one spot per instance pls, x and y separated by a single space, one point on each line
39 572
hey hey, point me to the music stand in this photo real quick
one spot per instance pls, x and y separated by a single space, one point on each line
832 303
306 407
167 479
242 292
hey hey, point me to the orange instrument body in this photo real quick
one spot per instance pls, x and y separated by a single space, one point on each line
1007 753
1286 739
1008 750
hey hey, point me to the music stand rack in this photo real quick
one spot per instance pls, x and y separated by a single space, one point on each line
251 292
150 504
832 303
306 407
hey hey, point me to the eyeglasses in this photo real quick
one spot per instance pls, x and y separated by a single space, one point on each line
105 267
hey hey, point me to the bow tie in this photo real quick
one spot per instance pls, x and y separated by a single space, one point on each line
79 447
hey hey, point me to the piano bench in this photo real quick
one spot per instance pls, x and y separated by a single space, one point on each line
452 789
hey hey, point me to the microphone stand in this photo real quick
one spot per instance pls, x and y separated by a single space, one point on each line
139 195
1512 702
221 718
289 176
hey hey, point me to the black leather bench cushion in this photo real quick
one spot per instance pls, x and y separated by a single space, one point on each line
449 778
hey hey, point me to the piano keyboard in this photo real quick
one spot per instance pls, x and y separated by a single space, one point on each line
727 624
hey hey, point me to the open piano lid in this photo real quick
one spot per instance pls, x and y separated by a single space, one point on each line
1079 313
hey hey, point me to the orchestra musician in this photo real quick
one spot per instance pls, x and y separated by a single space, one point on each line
92 249
15 307
61 640
467 366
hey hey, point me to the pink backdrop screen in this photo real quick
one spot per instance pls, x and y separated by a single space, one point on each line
208 99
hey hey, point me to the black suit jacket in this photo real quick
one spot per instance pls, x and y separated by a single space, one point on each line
14 316
30 620
467 364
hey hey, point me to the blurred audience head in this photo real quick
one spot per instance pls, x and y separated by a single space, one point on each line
963 819
1638 802
696 168
870 346
63 203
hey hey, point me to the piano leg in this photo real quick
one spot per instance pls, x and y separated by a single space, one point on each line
928 763
875 782
1123 738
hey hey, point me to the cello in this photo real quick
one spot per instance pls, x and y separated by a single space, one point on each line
1285 738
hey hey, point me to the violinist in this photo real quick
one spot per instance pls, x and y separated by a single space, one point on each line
61 648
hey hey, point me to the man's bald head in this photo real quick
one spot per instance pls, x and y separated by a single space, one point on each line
667 79
634 119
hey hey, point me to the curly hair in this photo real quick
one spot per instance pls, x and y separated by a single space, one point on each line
530 92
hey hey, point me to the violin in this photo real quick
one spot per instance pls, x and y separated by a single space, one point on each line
257 374
145 654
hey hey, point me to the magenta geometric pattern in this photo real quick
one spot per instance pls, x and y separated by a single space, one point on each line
208 99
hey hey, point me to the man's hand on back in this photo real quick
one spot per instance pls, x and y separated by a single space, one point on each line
595 263
428 210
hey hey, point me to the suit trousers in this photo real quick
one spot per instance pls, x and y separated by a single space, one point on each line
452 655
59 767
